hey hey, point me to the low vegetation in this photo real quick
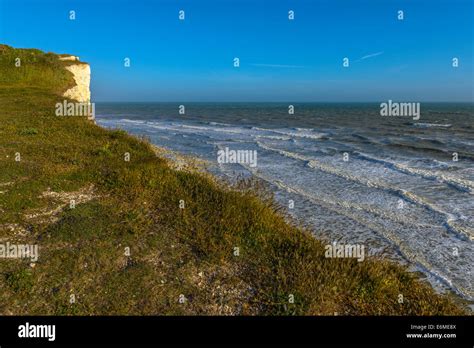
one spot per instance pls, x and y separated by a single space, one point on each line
127 247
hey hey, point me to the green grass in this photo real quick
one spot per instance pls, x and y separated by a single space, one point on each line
173 251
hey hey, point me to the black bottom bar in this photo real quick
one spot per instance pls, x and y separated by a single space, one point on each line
416 331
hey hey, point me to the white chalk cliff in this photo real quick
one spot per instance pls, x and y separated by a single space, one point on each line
82 76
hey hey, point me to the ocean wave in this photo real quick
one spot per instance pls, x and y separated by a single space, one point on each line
273 137
233 130
418 148
463 185
238 130
196 127
300 133
428 125
219 124
448 218
364 139
127 120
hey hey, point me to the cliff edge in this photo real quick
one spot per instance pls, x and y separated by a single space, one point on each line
82 77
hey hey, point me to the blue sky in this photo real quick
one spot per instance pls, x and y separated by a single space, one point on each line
280 60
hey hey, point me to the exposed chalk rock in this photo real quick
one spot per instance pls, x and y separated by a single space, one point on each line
68 58
82 76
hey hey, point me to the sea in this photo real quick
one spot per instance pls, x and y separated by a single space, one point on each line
402 186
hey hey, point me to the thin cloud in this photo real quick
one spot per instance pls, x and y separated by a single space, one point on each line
277 66
370 56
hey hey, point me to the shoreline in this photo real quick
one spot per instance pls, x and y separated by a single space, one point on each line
179 161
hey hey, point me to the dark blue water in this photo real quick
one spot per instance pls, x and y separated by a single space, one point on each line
391 183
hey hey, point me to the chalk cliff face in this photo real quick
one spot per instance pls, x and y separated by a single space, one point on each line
82 76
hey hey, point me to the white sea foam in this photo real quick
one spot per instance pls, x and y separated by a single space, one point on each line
422 124
460 183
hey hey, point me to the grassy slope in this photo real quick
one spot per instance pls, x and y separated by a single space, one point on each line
173 251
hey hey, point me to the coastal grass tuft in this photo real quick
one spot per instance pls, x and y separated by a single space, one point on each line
129 248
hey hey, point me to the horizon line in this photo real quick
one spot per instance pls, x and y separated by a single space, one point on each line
286 101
